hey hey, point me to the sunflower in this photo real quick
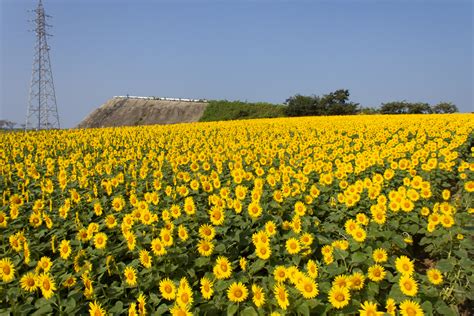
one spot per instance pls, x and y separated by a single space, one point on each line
46 283
254 210
69 282
237 292
270 228
292 246
166 237
306 239
376 273
96 310
300 208
258 295
141 300
434 276
184 296
65 249
404 265
217 216
28 282
183 233
263 251
356 281
145 258
7 270
130 275
207 232
100 240
410 308
369 309
222 268
281 295
205 247
206 288
359 234
132 309
308 288
408 285
339 296
167 289
312 269
178 310
379 255
390 306
157 247
280 274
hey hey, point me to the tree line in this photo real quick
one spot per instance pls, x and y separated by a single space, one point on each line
338 103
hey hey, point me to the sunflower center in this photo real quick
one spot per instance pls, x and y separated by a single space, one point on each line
46 285
185 298
238 293
308 288
406 267
6 269
411 311
408 286
340 297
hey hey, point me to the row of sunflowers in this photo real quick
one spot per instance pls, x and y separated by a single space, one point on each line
304 216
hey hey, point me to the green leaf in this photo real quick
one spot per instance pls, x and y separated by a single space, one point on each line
201 262
232 309
118 308
444 309
249 311
427 307
445 265
303 309
358 257
398 241
257 266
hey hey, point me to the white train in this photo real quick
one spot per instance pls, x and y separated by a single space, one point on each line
159 98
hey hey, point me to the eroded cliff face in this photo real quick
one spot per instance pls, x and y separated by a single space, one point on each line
133 112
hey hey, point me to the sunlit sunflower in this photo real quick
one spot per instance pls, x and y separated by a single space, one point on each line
280 274
130 275
312 268
379 255
408 285
7 270
100 240
237 292
157 247
404 265
178 310
292 246
65 249
369 309
376 273
207 232
95 309
145 258
206 288
434 276
205 247
410 308
46 283
281 296
356 281
339 296
28 282
258 297
222 269
308 288
167 289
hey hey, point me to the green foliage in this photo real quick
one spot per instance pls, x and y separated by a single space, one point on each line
404 107
334 103
223 110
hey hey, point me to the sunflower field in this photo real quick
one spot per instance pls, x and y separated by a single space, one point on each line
366 215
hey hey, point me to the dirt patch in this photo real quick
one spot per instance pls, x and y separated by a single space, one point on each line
132 112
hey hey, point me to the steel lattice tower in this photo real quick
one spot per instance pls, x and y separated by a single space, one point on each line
42 108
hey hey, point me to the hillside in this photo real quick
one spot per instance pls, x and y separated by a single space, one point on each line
122 111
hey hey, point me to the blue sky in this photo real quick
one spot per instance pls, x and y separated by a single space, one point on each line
241 50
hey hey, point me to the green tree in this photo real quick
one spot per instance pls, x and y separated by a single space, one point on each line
445 107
